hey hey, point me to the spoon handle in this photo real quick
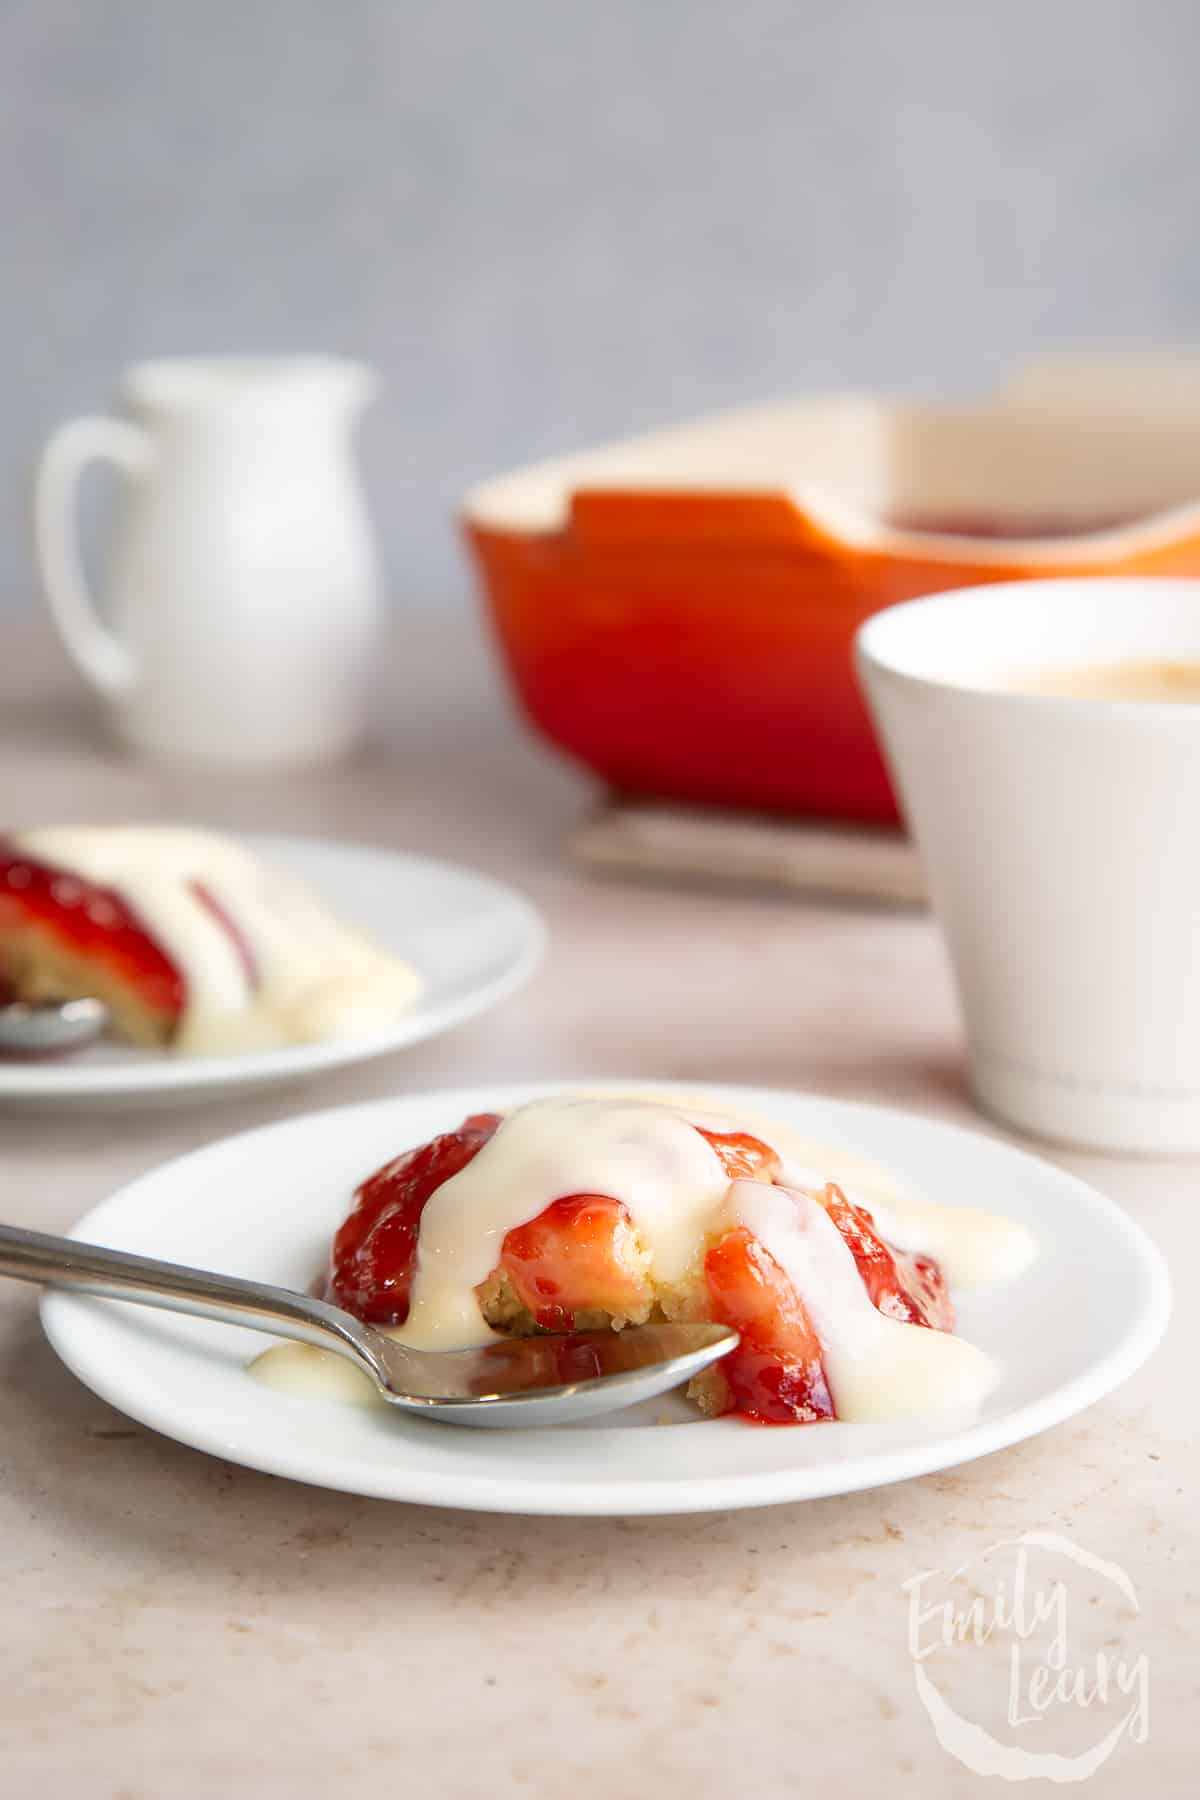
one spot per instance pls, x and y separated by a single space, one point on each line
118 1275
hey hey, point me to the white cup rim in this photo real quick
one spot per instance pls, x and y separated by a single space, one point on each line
907 642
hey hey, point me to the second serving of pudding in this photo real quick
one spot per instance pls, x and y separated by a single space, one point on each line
193 943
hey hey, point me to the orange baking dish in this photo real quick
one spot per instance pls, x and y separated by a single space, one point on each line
677 612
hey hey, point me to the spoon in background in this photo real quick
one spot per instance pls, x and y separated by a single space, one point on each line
50 1027
514 1381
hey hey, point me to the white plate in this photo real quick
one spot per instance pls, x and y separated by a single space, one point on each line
473 939
264 1204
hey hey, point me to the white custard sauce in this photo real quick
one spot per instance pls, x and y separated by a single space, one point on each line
877 1367
669 1178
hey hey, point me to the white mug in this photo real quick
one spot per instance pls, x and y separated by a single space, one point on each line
243 616
1061 839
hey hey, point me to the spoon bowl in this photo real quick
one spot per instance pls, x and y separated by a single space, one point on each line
50 1027
551 1380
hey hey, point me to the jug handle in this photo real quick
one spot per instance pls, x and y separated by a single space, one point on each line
96 650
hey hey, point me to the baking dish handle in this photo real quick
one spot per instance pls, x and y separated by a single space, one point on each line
692 518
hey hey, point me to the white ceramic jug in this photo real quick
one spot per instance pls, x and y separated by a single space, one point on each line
243 616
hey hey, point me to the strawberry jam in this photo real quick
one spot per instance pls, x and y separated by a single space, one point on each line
909 1288
569 1260
743 1157
776 1374
86 921
375 1252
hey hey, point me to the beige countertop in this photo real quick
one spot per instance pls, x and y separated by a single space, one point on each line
174 1626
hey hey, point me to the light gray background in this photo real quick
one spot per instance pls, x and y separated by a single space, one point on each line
550 221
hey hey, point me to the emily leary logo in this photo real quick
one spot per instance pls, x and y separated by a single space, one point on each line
1050 1620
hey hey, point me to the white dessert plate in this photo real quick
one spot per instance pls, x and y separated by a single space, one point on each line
265 1204
473 939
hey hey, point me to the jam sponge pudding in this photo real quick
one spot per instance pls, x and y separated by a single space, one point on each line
584 1212
190 940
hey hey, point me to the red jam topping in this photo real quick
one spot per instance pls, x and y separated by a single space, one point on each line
744 1158
375 1252
231 928
776 1374
909 1288
89 921
569 1260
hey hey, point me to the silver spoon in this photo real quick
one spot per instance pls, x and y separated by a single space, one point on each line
514 1381
51 1027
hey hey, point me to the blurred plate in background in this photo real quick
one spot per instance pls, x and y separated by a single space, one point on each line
473 939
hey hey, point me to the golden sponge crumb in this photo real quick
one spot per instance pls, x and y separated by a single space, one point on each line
676 1301
684 1300
709 1390
40 966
